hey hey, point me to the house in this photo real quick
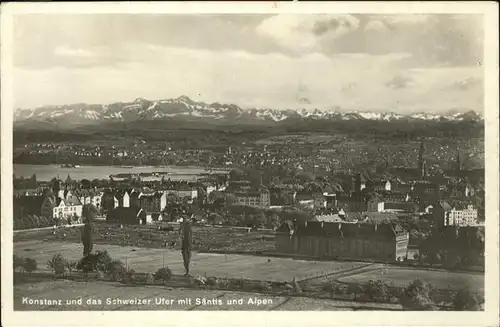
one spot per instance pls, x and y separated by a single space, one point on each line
127 216
331 199
90 197
123 198
152 202
400 187
254 198
378 185
67 207
374 204
386 242
371 217
351 203
108 201
183 191
462 216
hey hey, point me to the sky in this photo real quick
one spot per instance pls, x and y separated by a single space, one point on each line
400 63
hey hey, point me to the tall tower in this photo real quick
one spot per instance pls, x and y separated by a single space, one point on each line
421 161
458 162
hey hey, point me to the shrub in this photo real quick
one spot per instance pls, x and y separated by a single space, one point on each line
212 281
235 284
465 300
86 264
376 290
116 269
18 262
341 289
417 296
163 274
100 275
30 265
103 261
128 277
223 283
71 266
264 286
99 261
150 278
287 288
355 289
57 264
200 280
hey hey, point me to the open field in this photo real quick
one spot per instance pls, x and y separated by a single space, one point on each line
401 276
95 295
220 265
254 267
205 238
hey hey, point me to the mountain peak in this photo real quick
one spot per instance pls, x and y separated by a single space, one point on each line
184 107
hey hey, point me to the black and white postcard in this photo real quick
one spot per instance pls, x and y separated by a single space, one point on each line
239 159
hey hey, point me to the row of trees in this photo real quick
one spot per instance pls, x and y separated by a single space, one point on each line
453 247
239 215
33 221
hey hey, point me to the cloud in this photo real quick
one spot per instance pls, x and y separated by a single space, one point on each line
366 62
465 84
305 33
399 82
375 25
351 82
408 19
66 51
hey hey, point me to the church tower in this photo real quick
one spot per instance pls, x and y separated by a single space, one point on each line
421 161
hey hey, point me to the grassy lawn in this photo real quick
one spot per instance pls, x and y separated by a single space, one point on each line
220 265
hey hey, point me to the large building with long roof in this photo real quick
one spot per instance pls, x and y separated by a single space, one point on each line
385 242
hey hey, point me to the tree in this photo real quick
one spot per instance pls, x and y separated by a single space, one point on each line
186 241
89 212
57 264
417 296
85 184
260 220
465 300
30 265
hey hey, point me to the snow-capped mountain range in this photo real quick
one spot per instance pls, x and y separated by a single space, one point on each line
184 107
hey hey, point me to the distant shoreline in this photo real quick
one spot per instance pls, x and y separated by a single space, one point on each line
127 166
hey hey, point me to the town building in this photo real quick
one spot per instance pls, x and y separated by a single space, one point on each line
254 198
378 185
385 242
68 207
126 216
459 214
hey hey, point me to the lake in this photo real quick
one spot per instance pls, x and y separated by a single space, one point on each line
47 172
